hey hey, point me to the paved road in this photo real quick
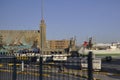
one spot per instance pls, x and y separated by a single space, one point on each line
52 76
111 71
31 73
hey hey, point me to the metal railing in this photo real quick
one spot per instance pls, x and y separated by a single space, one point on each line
27 68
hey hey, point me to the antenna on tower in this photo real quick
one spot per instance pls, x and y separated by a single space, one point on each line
42 9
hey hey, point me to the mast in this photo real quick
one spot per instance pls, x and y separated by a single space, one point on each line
42 16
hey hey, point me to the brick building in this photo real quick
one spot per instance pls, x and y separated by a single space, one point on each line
58 44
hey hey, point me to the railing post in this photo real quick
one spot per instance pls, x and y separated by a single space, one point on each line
40 68
22 65
90 66
14 76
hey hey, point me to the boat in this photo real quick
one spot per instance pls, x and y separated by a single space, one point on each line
101 49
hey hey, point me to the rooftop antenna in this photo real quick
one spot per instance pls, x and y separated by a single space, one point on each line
42 9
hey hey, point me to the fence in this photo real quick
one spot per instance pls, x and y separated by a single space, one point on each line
27 68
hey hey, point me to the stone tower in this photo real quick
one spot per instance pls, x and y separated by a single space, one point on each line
42 30
42 34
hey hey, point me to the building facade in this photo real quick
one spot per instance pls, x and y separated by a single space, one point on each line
31 38
58 44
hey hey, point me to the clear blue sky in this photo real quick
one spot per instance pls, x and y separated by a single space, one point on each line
64 19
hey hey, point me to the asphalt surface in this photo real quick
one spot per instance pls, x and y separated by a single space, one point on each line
110 71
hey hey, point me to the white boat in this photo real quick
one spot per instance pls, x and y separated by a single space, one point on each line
111 50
